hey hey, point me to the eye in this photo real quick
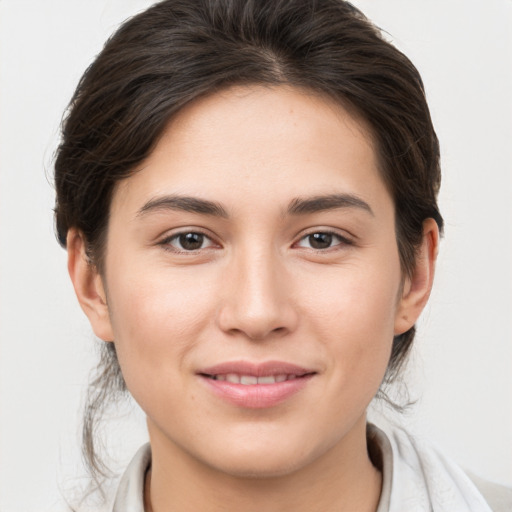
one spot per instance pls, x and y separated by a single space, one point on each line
322 240
188 241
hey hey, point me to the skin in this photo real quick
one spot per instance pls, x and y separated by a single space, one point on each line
256 290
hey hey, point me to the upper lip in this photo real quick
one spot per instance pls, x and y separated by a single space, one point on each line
263 369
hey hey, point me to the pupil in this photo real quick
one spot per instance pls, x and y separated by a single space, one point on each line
191 241
320 240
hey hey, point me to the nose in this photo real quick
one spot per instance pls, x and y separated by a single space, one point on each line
257 298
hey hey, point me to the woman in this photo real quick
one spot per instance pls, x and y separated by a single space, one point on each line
247 192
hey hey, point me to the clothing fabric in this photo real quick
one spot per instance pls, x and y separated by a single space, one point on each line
416 477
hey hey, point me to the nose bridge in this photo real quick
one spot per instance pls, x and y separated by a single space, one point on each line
256 300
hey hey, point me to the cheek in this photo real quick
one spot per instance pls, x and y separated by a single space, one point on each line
156 319
354 314
361 300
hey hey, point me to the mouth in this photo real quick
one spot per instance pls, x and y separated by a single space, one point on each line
251 380
256 385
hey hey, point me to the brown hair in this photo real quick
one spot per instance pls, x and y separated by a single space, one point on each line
179 50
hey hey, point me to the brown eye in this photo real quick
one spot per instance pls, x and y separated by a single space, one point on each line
322 240
188 241
191 241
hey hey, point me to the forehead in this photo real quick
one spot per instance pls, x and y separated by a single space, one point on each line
258 143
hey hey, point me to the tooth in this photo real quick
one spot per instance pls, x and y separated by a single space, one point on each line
233 377
291 377
267 380
248 379
280 378
220 377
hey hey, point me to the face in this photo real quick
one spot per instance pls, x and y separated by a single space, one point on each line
253 281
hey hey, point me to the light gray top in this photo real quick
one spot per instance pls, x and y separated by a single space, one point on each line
415 477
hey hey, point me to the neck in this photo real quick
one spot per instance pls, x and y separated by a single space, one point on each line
342 479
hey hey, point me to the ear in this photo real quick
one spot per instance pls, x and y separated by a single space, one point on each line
416 289
88 285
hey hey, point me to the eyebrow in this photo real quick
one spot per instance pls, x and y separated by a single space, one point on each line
185 204
302 206
298 206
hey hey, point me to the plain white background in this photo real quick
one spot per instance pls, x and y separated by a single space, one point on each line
461 369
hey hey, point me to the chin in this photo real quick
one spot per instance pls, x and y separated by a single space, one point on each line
259 469
272 460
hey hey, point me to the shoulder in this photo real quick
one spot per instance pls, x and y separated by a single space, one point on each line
420 477
499 497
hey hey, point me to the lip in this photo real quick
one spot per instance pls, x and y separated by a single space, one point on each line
256 396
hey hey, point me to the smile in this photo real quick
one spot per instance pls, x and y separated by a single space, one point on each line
256 385
251 380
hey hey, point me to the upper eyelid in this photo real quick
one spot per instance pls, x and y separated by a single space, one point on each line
165 242
344 235
170 234
343 240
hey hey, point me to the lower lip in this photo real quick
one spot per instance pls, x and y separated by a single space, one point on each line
257 396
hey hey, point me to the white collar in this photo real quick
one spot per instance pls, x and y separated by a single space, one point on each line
416 477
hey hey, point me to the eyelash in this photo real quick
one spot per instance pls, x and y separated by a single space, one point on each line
342 241
167 243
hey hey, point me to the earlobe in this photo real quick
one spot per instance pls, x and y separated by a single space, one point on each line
416 289
88 285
